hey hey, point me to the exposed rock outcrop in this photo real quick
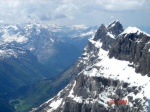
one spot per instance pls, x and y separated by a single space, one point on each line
110 69
134 47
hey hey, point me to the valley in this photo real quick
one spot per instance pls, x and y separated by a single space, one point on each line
35 56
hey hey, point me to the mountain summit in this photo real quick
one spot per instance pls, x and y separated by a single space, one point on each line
115 28
112 75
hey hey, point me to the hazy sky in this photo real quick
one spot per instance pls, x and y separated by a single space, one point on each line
68 12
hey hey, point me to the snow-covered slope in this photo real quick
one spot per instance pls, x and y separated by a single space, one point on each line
38 38
109 69
8 51
52 44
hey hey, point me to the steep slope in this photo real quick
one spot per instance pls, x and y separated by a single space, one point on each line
76 35
22 47
52 45
18 67
33 95
109 75
133 45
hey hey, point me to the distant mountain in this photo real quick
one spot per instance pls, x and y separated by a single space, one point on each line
112 75
19 67
33 55
76 34
52 44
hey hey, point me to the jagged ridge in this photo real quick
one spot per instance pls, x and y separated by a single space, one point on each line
107 71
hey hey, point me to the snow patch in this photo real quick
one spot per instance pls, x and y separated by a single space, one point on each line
71 92
118 70
110 35
55 104
113 24
52 40
134 30
78 99
14 38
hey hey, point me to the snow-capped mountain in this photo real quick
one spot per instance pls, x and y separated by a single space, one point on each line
29 36
30 52
33 36
52 44
75 34
114 66
8 51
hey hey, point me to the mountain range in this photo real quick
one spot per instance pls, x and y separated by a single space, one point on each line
50 43
114 66
33 55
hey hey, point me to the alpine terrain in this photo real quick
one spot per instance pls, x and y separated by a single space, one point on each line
33 55
112 75
50 43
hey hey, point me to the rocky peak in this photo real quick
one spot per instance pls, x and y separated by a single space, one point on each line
133 30
115 28
101 78
108 35
133 45
101 32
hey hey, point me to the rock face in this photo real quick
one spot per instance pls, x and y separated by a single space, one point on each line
134 47
108 75
115 28
107 35
56 47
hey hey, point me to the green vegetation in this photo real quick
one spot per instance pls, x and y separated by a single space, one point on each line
32 96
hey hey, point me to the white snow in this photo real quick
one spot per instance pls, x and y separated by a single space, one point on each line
107 68
71 92
55 104
118 70
97 44
14 27
78 99
31 49
2 51
11 38
7 53
113 23
11 33
110 35
52 40
130 30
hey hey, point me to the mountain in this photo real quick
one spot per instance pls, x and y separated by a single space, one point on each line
75 34
19 67
31 96
34 55
112 75
52 44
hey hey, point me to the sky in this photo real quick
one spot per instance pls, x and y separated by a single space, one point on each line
70 12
